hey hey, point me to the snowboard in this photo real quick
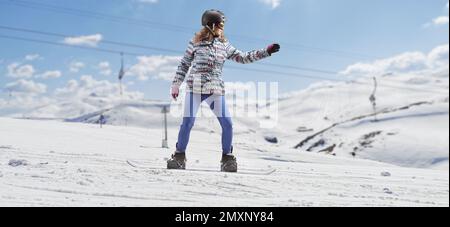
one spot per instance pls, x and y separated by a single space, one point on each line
261 172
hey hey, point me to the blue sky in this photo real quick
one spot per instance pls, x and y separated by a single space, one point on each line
346 31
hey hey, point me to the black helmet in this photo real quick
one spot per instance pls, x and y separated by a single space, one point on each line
213 17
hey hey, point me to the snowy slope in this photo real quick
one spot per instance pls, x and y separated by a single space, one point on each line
74 164
412 128
330 151
411 131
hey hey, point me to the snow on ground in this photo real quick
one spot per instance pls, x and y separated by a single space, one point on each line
411 129
51 163
63 158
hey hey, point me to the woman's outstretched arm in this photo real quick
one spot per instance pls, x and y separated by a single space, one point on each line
250 56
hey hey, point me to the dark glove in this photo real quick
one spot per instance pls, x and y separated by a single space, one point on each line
273 48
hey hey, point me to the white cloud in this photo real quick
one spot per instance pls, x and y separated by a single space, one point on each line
50 75
76 66
439 21
32 57
411 62
76 98
89 40
105 68
156 67
16 70
438 57
148 1
19 103
70 88
88 87
272 3
26 87
443 20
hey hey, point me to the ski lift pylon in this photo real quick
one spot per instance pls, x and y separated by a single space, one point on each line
121 73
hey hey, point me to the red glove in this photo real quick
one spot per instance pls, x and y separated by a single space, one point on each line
175 92
273 48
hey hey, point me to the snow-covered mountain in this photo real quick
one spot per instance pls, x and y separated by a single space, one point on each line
409 129
333 118
328 149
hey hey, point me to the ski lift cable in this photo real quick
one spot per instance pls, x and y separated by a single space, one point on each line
403 88
334 80
231 67
172 51
399 86
176 28
140 54
84 13
103 41
63 44
284 73
159 49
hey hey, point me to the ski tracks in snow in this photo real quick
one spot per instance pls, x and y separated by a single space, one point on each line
89 173
66 179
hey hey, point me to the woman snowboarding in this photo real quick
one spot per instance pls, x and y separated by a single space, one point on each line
205 57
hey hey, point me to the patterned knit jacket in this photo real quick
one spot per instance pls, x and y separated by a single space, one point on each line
203 63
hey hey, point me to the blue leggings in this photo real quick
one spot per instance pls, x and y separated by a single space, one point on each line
218 106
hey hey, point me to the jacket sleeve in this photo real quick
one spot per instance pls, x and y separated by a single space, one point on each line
184 66
245 57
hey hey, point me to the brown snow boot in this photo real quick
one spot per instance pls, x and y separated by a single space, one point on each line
229 164
178 161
